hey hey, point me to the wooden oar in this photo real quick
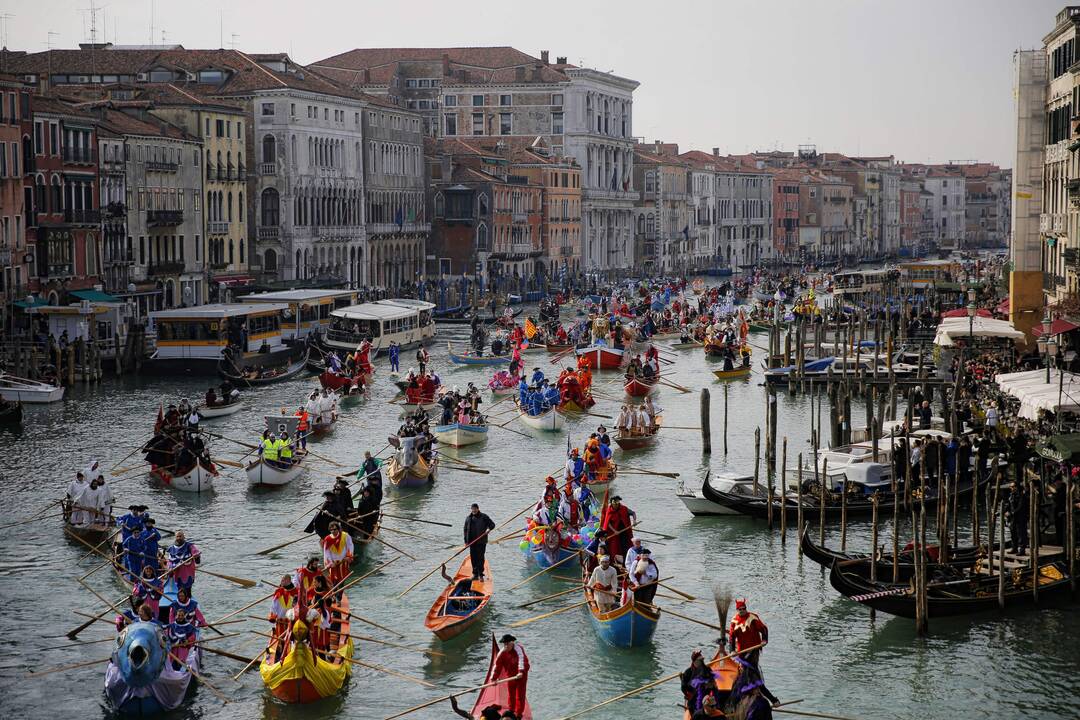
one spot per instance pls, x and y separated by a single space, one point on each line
656 608
806 713
372 623
553 595
230 655
678 387
679 427
250 665
516 432
62 668
643 688
419 520
431 572
516 515
242 582
436 701
373 537
267 551
246 607
387 528
202 679
36 516
521 623
689 597
366 638
511 536
647 471
547 569
230 463
75 632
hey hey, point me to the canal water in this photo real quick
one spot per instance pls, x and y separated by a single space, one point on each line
824 649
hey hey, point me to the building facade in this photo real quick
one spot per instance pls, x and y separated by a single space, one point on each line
560 180
14 104
662 211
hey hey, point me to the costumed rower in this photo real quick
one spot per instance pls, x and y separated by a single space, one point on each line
337 553
183 557
512 662
746 631
616 520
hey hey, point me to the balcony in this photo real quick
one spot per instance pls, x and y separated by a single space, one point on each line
241 172
566 251
219 266
170 267
80 156
112 167
218 227
519 217
82 217
409 227
1052 223
268 168
327 233
269 233
164 218
162 166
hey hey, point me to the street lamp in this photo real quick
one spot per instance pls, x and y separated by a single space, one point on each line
1046 343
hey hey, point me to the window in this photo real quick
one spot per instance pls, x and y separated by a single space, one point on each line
270 208
267 108
478 101
557 123
269 149
506 124
478 123
450 101
240 207
219 128
325 113
207 132
3 160
556 99
505 100
54 135
39 138
449 124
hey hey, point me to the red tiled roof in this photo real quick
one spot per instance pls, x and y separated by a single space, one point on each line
122 123
480 57
469 65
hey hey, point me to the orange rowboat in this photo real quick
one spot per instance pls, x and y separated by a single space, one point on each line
726 672
461 603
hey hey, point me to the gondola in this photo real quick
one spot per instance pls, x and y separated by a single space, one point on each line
141 679
362 540
974 594
469 358
418 474
495 694
856 506
964 556
629 624
636 442
639 386
283 374
733 374
300 675
461 603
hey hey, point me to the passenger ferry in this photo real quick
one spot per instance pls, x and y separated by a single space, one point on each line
309 310
408 322
192 340
855 283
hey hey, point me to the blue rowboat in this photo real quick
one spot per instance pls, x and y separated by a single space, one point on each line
630 625
459 434
545 559
470 359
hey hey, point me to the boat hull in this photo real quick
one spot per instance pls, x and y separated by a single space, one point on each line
38 393
348 385
208 412
736 374
414 476
544 559
300 677
166 693
262 473
636 388
197 480
468 359
551 421
598 357
446 626
459 435
700 506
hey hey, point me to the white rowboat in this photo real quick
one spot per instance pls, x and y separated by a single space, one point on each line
457 434
196 480
28 391
216 411
261 472
550 421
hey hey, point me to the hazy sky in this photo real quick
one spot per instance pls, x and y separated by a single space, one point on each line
925 80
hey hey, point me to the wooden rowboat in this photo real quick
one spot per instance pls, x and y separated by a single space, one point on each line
362 541
640 387
347 385
550 421
197 479
726 672
417 475
281 375
208 412
636 442
29 391
601 357
264 473
557 348
461 603
469 358
734 374
460 434
302 676
630 624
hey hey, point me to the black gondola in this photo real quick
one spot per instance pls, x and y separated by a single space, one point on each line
977 593
958 557
288 372
11 413
857 505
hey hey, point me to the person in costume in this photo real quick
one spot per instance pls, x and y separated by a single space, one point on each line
512 662
183 556
746 631
337 553
617 522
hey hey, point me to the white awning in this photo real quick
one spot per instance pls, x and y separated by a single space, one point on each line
951 329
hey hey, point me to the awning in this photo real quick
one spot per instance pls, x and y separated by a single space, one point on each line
1060 326
962 312
1060 448
952 329
37 302
235 281
95 296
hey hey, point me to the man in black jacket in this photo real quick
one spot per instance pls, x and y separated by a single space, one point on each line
328 513
477 526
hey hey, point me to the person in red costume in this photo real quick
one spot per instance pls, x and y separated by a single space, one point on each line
512 662
617 522
747 630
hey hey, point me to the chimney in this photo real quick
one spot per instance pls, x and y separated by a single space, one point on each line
656 146
544 56
716 152
446 64
560 60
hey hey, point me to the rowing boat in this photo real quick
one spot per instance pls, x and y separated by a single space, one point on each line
141 678
301 675
281 375
469 358
602 357
548 421
630 624
734 374
461 603
726 672
28 391
199 478
418 474
556 348
640 387
348 385
636 442
208 412
361 540
685 345
272 473
460 434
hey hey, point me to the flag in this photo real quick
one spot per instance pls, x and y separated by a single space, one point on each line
160 418
530 328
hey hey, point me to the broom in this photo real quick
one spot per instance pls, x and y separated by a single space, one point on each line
722 598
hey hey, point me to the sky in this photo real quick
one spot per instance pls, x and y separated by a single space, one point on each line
924 80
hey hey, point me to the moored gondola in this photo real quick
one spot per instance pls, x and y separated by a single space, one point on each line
261 375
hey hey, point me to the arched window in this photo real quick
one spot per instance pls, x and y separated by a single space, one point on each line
483 204
641 224
57 196
482 237
240 212
269 149
210 205
270 260
270 210
228 210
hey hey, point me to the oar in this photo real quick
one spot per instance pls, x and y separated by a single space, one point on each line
36 516
553 595
639 531
521 623
359 479
230 655
436 701
368 574
246 607
647 471
230 463
93 550
372 623
511 536
777 708
431 572
547 569
387 528
267 551
656 608
74 633
518 514
679 427
516 432
242 582
643 688
250 664
373 537
689 597
678 387
365 638
62 668
419 520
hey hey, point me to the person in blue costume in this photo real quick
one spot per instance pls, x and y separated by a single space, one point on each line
130 522
149 538
537 376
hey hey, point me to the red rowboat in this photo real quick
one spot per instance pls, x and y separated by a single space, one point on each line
496 694
331 381
640 387
601 357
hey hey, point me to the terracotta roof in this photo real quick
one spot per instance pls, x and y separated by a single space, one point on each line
49 105
122 123
468 66
480 57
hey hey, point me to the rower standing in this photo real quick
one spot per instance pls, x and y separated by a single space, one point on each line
183 557
512 662
337 553
746 631
477 527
